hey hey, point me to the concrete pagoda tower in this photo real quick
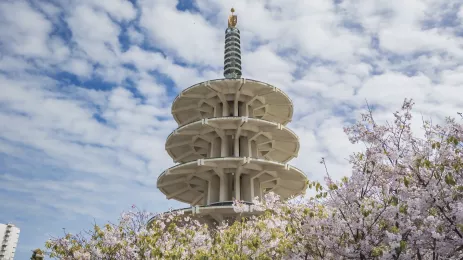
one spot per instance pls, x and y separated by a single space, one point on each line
231 143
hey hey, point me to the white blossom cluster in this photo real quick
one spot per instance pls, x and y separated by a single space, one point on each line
403 200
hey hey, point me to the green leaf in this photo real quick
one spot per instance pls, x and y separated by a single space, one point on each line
403 245
366 213
460 227
450 180
345 179
377 251
406 182
427 164
403 209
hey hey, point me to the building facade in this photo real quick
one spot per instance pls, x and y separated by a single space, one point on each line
10 236
232 142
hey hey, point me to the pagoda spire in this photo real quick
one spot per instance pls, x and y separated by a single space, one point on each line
232 55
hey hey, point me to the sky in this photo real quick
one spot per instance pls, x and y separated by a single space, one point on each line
86 88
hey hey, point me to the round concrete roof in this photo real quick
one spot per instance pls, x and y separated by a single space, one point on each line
262 100
274 141
188 182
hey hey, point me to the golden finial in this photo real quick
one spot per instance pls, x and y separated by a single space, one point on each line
232 19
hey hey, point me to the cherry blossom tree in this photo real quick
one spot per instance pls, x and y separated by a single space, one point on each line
403 199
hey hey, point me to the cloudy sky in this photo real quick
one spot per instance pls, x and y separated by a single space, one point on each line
86 88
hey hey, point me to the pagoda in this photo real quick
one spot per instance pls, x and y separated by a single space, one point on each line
232 142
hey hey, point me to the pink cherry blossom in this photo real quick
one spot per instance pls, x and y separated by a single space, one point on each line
403 200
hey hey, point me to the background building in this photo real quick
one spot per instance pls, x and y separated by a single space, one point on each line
9 235
231 143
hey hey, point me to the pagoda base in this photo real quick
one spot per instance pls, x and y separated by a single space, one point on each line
217 213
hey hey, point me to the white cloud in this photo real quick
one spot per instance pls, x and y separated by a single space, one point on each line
263 61
79 67
181 36
120 10
50 9
95 145
135 36
26 36
95 34
144 61
389 84
403 40
14 64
